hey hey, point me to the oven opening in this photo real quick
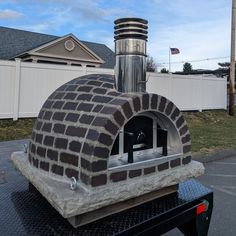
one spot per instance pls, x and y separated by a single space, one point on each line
146 137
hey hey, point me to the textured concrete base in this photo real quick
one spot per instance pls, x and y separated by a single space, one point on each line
71 203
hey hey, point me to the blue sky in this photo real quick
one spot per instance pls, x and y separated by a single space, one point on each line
199 28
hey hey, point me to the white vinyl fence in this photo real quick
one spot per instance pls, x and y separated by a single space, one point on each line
25 86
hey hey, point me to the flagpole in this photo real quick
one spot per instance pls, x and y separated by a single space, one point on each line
169 61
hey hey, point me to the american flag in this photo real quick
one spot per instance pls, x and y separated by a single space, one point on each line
174 51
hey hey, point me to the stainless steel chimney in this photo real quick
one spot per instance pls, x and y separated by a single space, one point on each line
130 48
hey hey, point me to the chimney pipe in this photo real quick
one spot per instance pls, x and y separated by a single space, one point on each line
130 48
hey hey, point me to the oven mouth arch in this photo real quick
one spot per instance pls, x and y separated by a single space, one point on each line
153 154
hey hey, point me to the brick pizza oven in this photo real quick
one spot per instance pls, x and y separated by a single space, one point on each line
102 139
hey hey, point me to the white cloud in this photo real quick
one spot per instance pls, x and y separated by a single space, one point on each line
9 14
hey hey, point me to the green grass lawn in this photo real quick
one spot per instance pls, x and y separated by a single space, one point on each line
210 130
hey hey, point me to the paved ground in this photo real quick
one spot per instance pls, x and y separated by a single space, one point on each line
220 176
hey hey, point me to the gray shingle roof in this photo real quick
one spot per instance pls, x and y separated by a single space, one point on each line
14 42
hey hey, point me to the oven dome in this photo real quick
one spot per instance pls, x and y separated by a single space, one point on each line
79 123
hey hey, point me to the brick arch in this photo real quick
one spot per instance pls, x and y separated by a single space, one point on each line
77 126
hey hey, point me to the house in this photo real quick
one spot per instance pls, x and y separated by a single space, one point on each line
44 48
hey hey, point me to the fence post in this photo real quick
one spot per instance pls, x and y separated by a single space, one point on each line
17 89
201 93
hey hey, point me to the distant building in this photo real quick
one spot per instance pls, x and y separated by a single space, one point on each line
43 48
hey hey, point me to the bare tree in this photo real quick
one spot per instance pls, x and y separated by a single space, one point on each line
151 64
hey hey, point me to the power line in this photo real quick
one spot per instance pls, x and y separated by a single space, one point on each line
199 60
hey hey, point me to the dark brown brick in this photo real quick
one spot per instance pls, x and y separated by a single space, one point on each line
81 81
162 104
96 83
101 152
33 136
85 107
98 165
97 108
186 139
86 119
58 104
105 139
75 131
175 162
59 128
47 115
92 135
98 180
32 148
84 178
169 108
59 95
119 118
118 176
38 125
154 100
135 173
69 158
35 162
62 88
41 113
108 110
48 140
39 138
100 90
163 166
44 165
30 158
72 173
70 96
175 114
107 79
137 104
101 99
59 116
85 164
186 148
52 155
114 93
61 143
108 85
41 151
127 110
70 106
75 146
145 101
111 127
183 130
149 170
56 169
71 87
180 121
118 101
186 160
85 88
84 97
48 104
99 121
88 149
47 127
73 117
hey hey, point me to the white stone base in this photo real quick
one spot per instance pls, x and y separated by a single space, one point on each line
71 203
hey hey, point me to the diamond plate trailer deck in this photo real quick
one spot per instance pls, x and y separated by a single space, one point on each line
23 211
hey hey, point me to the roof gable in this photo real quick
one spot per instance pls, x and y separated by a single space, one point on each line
68 47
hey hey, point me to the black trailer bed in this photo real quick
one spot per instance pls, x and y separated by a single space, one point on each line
26 212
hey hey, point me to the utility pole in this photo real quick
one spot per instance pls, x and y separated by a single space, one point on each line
232 61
